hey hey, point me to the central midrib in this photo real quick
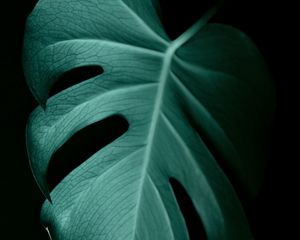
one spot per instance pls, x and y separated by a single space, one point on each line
162 82
167 60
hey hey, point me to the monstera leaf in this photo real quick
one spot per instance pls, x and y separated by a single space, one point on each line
193 104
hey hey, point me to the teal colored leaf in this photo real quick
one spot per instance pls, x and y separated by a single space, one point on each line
193 103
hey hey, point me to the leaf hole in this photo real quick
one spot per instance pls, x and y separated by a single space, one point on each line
83 145
75 76
192 219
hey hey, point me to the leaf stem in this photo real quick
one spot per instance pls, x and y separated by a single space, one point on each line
196 27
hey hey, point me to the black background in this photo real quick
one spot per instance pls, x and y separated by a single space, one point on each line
268 24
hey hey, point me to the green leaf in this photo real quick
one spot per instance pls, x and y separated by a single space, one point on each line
192 104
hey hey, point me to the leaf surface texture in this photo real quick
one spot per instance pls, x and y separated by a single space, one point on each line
188 101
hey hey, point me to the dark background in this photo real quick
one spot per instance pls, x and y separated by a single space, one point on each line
268 24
